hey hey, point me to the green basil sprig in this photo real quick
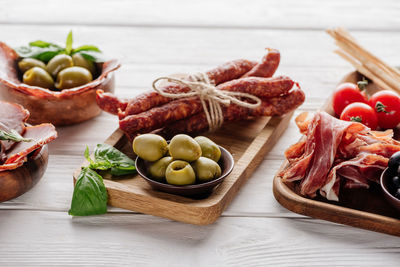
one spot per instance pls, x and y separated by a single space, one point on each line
109 158
45 51
90 194
13 136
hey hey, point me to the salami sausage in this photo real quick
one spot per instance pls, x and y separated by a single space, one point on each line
109 102
268 65
261 87
160 116
225 72
270 107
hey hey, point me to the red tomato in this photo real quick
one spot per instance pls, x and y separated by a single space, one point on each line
387 107
360 112
345 94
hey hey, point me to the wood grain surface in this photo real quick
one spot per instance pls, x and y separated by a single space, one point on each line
154 38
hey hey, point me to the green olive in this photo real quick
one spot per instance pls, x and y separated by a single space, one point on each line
73 77
180 172
158 168
150 147
37 76
58 63
80 61
184 147
209 149
206 169
28 63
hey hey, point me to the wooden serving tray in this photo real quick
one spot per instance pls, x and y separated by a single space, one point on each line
247 141
362 208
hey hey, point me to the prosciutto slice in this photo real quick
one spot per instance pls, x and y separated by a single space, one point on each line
334 153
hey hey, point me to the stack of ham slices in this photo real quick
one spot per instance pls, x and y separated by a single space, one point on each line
151 111
333 153
14 154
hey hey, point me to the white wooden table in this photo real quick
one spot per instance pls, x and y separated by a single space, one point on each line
154 38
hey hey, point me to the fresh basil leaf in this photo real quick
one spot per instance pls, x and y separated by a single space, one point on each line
39 43
43 44
68 43
47 55
41 53
86 48
13 136
104 152
107 157
92 56
90 194
117 171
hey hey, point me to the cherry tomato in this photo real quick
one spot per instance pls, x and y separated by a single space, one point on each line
360 112
387 107
345 94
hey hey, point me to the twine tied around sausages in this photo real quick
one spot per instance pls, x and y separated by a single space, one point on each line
210 96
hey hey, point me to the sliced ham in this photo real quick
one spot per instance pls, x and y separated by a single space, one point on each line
40 134
333 152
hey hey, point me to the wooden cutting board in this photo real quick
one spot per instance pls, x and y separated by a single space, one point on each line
362 208
247 141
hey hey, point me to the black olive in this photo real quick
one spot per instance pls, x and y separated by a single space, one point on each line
394 161
397 194
396 182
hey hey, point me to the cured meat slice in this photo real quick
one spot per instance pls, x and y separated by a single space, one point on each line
12 117
40 134
334 152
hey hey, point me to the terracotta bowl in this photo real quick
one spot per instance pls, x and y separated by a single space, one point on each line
14 183
65 107
385 184
226 163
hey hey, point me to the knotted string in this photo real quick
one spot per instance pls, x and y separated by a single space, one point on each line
210 96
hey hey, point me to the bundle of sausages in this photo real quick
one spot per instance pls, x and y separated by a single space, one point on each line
151 111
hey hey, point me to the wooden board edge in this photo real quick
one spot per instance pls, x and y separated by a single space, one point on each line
330 212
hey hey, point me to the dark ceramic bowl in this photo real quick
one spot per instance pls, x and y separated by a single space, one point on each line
226 163
385 184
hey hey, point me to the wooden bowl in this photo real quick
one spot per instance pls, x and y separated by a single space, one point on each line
226 163
65 107
385 185
14 183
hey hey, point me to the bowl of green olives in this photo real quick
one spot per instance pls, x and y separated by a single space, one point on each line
54 86
185 166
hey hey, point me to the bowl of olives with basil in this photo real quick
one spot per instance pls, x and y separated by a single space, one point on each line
184 166
55 83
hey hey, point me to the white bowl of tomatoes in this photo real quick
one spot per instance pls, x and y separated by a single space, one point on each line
354 102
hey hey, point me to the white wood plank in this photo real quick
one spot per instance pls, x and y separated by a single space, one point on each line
272 14
55 239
